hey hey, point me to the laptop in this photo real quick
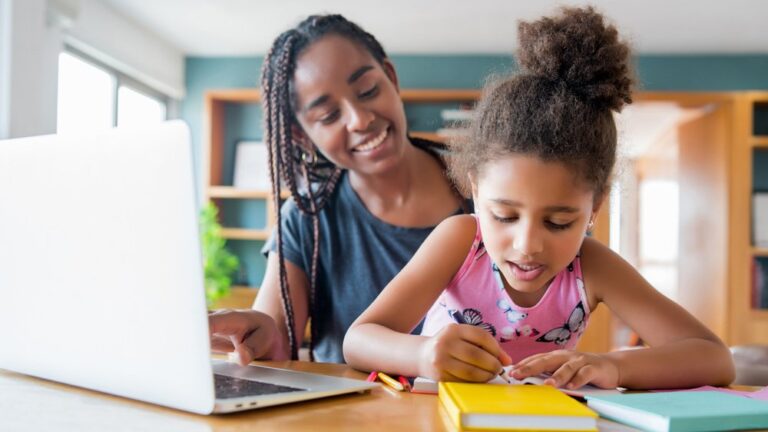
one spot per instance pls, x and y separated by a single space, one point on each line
101 282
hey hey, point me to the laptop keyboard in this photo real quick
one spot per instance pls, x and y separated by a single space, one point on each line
228 387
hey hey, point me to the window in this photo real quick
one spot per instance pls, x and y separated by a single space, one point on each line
136 109
93 97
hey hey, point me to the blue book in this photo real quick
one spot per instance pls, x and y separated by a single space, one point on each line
683 411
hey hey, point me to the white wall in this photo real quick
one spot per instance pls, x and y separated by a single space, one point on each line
128 47
5 70
30 47
32 69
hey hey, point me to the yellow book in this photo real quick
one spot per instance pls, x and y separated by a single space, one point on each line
481 407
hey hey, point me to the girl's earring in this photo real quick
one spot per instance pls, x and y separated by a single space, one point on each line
590 225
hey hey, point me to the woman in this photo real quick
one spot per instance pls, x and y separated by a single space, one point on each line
334 120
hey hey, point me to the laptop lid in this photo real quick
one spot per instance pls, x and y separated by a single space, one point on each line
100 268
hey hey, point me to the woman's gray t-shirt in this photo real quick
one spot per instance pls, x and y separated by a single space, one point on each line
359 254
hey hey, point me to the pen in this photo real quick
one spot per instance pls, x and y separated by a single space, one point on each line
372 376
459 318
388 380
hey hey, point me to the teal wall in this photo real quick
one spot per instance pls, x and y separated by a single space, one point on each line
656 73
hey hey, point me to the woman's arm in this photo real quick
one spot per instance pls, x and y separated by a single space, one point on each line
260 333
269 302
379 339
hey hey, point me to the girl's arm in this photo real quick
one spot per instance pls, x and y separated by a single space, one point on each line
683 352
379 339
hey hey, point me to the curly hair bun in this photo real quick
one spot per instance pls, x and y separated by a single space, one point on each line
578 49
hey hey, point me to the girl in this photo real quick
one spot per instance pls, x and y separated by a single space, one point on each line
515 283
334 120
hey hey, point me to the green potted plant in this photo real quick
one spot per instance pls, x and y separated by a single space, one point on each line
219 264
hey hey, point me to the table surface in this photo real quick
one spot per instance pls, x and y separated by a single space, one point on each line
32 404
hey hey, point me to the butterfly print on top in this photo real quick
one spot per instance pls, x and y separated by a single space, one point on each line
561 335
475 318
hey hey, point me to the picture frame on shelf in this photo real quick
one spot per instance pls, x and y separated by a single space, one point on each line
251 165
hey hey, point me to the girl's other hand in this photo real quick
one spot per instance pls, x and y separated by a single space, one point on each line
461 352
570 369
247 332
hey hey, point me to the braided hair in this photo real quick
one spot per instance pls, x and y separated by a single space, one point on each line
308 175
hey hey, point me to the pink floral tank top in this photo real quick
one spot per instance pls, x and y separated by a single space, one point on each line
476 296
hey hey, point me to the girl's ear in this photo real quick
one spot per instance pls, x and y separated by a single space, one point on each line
597 204
389 69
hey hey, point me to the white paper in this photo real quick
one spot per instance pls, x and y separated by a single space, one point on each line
251 166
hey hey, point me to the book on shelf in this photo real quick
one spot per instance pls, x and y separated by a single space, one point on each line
452 132
480 407
682 411
760 282
457 115
428 386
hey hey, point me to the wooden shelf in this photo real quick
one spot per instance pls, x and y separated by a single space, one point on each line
241 297
432 136
439 95
760 141
761 252
234 95
244 234
408 95
237 193
232 192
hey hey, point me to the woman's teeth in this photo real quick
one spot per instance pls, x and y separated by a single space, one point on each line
372 144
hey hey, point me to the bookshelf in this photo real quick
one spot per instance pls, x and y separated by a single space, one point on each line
749 262
218 144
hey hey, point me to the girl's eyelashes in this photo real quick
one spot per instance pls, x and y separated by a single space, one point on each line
558 227
504 219
549 224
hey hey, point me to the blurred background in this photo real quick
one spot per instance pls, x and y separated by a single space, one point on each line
689 206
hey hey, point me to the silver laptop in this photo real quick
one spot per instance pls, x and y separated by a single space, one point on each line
101 278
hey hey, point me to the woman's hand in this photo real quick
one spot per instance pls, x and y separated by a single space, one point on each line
570 369
247 332
461 352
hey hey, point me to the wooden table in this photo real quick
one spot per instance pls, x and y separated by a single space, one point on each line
31 404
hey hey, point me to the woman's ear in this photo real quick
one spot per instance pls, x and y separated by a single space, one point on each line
299 136
389 69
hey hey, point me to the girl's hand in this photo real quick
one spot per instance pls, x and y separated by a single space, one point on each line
570 369
461 352
247 332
